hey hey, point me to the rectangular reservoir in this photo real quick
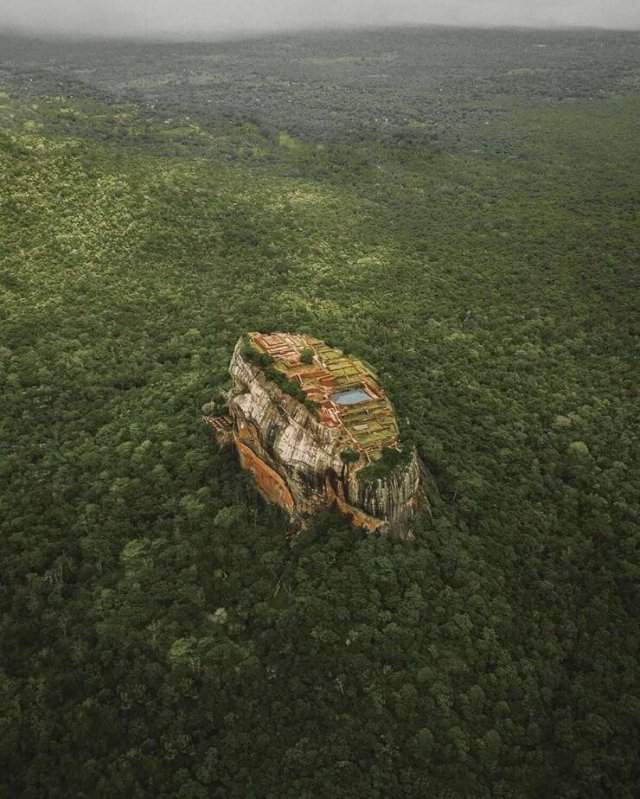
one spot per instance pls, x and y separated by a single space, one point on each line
351 397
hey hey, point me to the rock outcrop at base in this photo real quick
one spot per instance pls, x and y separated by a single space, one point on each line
316 429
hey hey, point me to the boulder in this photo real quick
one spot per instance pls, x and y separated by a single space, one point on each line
320 431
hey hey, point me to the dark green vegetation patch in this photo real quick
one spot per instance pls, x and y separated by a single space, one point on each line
459 208
391 460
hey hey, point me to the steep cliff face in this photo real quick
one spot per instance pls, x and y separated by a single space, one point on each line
307 421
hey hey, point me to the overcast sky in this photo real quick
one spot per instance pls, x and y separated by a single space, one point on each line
201 17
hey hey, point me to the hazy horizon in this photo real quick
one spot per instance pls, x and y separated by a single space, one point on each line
163 19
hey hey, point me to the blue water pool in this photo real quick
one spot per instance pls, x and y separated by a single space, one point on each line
351 397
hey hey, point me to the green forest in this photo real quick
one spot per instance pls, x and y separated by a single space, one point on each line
467 220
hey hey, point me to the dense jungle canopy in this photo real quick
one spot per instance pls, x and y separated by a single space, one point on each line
461 209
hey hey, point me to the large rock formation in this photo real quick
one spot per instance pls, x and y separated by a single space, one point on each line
316 429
